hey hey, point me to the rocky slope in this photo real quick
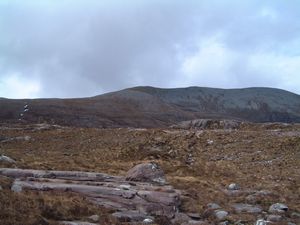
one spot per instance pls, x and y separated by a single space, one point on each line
155 107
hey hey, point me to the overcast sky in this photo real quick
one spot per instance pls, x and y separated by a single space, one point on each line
74 48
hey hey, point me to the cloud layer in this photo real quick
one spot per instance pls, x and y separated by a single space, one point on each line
81 48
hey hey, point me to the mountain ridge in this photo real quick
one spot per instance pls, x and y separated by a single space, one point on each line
146 106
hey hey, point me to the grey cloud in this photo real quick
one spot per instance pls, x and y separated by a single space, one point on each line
82 48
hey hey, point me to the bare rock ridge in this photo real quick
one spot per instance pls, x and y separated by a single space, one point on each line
134 198
208 124
157 107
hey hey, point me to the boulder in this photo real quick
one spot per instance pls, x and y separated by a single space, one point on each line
146 172
278 208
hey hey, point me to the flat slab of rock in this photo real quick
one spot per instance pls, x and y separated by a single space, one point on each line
134 198
67 175
246 208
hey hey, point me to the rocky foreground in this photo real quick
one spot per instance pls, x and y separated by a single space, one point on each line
138 197
142 195
245 174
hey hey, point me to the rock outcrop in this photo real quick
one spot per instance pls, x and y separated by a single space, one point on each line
140 196
208 124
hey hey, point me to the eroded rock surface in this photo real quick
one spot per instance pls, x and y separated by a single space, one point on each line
142 195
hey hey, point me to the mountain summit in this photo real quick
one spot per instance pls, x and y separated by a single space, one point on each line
157 107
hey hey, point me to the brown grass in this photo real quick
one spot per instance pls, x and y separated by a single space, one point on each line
255 157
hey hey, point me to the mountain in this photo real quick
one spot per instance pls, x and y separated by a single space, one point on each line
156 107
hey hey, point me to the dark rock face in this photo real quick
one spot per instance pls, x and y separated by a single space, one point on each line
146 172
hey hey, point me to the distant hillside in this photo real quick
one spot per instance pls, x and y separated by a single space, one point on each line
156 107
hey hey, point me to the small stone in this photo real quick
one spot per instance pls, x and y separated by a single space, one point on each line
233 187
4 158
274 218
94 218
148 220
224 223
278 208
27 138
1 188
210 141
221 214
261 222
290 223
213 206
125 186
16 187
